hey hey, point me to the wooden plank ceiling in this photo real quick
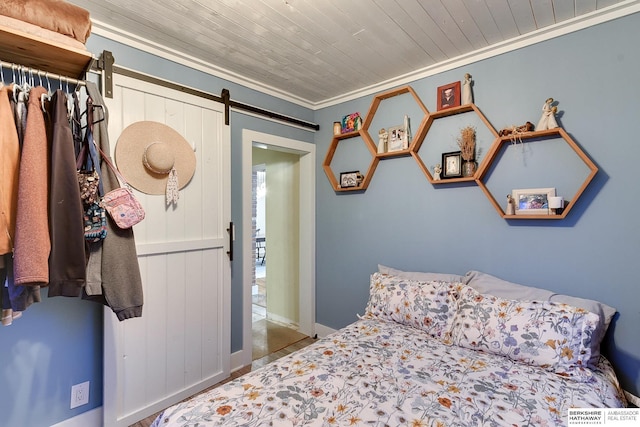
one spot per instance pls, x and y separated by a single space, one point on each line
316 50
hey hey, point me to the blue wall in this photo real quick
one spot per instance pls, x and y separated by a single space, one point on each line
403 221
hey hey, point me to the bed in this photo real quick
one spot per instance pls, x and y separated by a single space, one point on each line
429 351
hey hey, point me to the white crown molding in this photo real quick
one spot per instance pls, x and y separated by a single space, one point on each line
145 45
597 17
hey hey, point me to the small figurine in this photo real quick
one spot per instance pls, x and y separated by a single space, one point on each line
467 95
548 119
383 136
437 169
511 205
407 133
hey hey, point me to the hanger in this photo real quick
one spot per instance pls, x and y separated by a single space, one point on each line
101 108
45 96
17 82
90 112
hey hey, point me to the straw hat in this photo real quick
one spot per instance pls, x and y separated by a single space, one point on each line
151 155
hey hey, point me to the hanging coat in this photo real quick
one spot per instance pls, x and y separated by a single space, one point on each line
32 243
67 263
9 167
119 269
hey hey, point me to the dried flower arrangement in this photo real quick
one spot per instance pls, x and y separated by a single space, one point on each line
467 143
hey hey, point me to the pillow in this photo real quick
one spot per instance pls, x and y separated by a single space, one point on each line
421 276
488 284
428 306
554 336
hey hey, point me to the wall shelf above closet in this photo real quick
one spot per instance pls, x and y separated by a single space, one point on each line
37 52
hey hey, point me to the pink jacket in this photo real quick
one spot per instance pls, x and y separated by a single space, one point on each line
32 242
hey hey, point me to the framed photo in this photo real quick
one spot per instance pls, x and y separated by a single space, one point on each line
351 123
533 201
350 179
449 96
452 165
396 138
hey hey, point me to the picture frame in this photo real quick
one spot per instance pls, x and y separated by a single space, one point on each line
351 123
395 141
451 165
350 179
448 96
532 201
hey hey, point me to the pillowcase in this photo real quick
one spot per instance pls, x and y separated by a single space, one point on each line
421 276
554 336
488 284
428 306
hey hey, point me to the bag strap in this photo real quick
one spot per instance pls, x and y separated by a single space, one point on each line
82 157
112 167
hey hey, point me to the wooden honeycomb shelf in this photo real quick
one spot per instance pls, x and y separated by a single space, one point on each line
484 166
326 165
467 108
528 136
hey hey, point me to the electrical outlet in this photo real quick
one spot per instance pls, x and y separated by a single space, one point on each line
79 394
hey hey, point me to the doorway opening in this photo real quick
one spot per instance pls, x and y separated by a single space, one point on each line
292 245
275 307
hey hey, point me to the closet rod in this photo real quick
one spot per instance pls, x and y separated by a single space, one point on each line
40 73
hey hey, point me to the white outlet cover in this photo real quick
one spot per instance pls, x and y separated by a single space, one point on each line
79 394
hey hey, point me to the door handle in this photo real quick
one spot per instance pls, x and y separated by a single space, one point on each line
231 235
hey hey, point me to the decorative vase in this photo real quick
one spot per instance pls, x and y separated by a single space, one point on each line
469 168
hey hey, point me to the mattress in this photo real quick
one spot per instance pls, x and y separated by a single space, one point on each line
377 372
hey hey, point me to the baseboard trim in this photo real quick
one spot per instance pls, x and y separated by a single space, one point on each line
237 361
92 417
322 331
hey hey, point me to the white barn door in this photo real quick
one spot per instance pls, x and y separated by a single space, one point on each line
181 344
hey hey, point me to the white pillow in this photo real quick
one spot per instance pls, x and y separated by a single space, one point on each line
488 284
426 305
554 336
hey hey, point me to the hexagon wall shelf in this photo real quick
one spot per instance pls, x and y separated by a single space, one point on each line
545 134
422 131
446 113
326 165
417 137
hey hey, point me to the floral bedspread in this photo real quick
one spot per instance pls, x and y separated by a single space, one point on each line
377 373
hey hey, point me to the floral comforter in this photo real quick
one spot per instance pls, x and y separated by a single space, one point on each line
377 373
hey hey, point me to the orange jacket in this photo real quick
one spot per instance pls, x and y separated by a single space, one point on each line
9 168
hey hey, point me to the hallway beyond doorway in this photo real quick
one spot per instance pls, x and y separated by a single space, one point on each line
268 336
304 255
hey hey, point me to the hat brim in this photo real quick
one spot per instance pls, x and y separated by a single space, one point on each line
129 154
